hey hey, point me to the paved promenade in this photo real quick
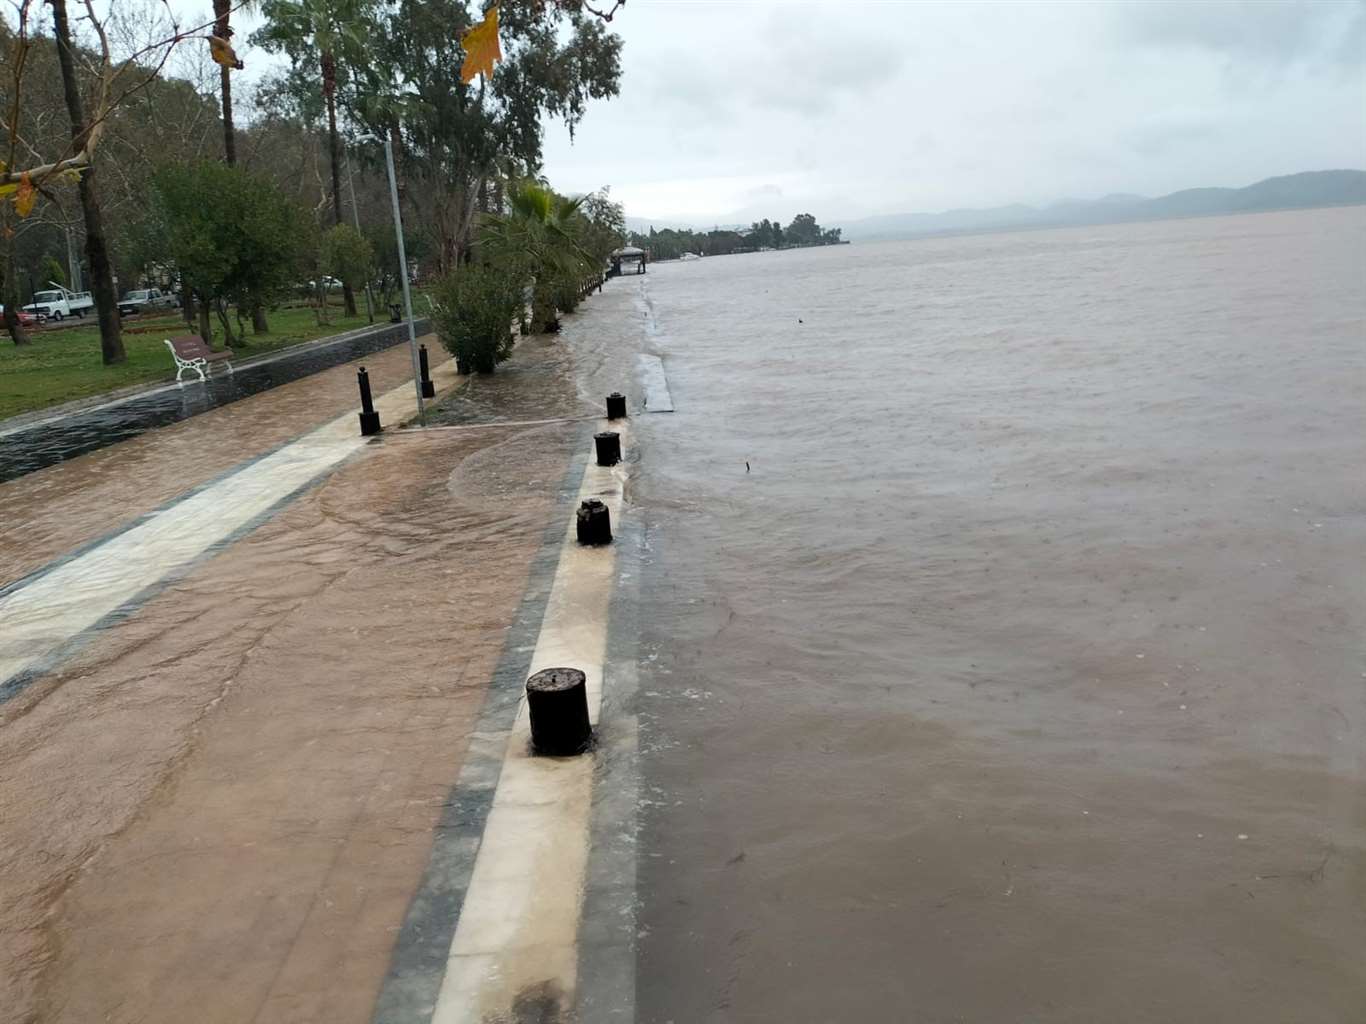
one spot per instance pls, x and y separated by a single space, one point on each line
241 660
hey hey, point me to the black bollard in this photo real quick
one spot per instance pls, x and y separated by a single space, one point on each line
609 447
557 700
428 388
594 523
369 419
616 406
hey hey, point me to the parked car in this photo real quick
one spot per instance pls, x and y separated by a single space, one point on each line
26 318
146 300
60 304
329 284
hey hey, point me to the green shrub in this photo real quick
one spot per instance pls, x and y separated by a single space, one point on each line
475 310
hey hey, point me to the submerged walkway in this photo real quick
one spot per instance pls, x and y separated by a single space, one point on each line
261 752
241 659
48 440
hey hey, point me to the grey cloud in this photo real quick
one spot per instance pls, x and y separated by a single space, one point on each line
1274 32
1161 136
809 63
762 192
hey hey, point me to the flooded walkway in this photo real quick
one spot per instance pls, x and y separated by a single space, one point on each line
52 511
244 655
51 440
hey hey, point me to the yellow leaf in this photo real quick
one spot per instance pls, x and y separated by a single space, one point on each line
5 190
481 47
25 197
222 52
72 175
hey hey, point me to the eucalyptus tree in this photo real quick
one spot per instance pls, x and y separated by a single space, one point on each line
336 34
455 138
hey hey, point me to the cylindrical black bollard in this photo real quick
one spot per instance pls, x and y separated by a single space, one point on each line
428 388
369 419
557 699
609 447
594 523
616 406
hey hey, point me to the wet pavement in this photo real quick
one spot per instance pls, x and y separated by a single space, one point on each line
50 441
53 511
220 805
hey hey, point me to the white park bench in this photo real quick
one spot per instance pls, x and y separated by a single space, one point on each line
191 353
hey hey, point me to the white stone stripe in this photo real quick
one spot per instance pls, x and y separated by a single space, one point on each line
39 618
654 383
516 941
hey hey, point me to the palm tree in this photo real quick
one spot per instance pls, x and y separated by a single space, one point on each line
537 236
328 29
222 28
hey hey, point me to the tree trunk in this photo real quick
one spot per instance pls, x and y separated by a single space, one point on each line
222 12
222 312
229 132
9 296
16 330
96 251
329 63
205 326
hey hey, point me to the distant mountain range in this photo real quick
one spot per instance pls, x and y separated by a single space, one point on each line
1288 192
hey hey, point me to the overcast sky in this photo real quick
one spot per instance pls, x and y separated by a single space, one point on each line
735 110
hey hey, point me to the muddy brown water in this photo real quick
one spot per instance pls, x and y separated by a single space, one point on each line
51 511
1021 676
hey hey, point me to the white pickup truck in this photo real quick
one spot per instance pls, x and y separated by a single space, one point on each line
59 304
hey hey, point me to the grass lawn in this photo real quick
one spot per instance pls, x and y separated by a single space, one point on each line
63 363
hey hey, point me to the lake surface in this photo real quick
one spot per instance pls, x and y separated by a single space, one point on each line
1021 676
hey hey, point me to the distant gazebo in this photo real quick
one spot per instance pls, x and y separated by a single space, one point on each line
629 255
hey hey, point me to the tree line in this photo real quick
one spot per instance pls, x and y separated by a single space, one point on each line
127 151
671 243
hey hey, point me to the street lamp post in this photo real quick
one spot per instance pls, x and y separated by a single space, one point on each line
403 272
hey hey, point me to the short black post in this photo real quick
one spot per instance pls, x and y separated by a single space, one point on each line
616 406
369 419
428 388
609 447
557 699
594 523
